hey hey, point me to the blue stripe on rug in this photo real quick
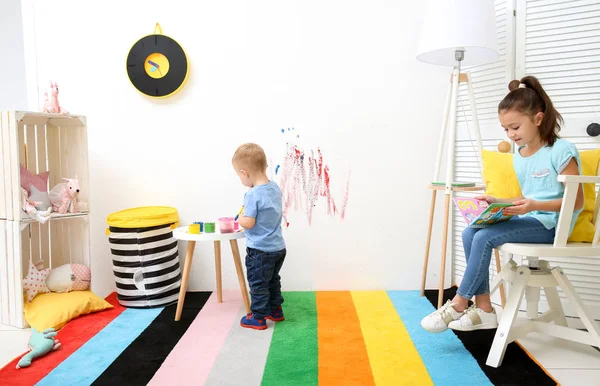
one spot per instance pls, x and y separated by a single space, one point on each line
441 353
86 364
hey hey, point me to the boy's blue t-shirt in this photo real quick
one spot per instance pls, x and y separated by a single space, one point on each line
537 175
264 203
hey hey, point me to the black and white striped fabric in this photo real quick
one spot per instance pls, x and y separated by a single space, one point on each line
145 265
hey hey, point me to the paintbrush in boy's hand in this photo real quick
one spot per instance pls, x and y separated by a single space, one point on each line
240 212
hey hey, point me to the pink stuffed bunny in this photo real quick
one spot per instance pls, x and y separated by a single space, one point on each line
51 105
64 196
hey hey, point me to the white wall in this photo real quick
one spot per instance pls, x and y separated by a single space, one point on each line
342 73
13 93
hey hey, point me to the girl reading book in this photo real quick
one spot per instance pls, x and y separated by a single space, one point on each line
532 123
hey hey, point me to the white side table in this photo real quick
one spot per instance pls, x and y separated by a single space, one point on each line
181 233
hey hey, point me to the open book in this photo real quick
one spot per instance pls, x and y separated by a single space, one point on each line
479 214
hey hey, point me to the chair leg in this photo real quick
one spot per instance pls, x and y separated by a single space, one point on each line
502 292
510 265
586 317
502 337
556 305
532 297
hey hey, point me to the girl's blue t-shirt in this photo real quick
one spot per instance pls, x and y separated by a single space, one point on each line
537 175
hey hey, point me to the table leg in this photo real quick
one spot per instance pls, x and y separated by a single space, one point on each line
218 269
444 245
238 267
428 244
184 280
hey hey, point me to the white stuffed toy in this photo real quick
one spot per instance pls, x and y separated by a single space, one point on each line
29 207
69 277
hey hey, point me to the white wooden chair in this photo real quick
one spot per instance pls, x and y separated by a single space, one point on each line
529 279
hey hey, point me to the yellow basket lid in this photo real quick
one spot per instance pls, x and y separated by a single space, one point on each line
143 217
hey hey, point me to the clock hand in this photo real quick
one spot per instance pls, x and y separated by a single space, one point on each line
153 64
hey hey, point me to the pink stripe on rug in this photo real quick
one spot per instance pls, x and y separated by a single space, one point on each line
190 362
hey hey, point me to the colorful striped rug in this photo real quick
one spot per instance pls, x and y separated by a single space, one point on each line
328 338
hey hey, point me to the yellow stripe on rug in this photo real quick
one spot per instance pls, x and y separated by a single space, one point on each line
393 356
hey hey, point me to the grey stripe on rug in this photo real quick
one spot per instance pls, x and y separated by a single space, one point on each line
243 356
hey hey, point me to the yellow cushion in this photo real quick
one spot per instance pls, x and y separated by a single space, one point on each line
584 229
499 175
56 309
501 181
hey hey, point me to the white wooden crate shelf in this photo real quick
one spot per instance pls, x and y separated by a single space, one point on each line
57 216
56 243
40 142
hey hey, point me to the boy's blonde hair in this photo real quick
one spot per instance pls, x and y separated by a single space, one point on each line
250 156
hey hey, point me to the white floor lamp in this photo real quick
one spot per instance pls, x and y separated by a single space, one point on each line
455 33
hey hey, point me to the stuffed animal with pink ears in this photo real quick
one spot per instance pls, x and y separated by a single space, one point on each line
51 104
64 195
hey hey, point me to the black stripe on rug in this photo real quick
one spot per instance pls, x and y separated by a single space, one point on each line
138 363
517 364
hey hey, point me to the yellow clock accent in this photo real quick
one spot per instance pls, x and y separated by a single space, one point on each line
157 65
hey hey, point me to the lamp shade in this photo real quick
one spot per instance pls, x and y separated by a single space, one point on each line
459 24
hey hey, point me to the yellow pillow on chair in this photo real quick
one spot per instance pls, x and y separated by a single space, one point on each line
499 175
501 181
584 229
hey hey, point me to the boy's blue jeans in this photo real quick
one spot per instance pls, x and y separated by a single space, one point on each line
479 243
262 269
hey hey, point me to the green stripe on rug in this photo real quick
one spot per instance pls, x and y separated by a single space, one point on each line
294 351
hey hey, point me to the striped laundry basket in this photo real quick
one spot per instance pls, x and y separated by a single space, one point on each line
145 256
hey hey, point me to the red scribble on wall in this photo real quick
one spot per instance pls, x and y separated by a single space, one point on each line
305 179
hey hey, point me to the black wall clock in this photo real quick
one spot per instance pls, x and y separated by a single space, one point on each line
157 65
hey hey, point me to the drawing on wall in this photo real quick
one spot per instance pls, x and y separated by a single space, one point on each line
305 178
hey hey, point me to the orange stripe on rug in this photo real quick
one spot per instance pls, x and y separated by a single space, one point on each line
342 350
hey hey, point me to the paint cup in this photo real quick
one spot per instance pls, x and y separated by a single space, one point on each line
226 224
236 226
209 227
194 229
201 226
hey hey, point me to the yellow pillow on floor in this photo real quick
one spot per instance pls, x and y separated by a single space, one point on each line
584 229
499 175
501 181
56 309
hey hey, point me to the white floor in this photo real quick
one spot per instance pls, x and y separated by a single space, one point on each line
13 342
569 363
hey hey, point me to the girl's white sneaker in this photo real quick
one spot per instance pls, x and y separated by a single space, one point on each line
438 320
475 319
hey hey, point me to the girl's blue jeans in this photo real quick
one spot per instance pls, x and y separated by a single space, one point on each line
479 243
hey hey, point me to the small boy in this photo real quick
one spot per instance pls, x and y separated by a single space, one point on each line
265 250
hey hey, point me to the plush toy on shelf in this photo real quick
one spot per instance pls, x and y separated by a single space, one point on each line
64 196
51 104
69 277
40 344
29 207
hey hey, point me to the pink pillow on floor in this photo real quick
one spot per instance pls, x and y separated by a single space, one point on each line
40 181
